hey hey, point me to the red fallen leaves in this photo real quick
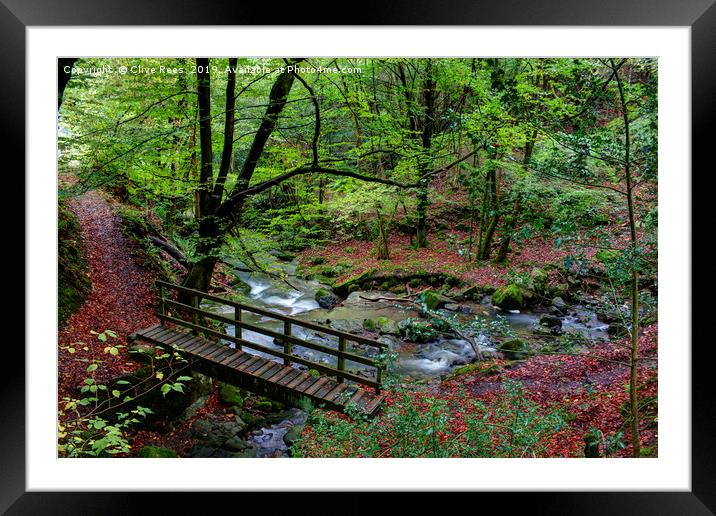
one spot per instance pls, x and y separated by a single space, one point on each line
590 389
120 300
439 256
179 438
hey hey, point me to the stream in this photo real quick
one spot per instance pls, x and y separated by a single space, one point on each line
419 361
423 362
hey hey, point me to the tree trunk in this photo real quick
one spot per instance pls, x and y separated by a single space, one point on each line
506 239
383 252
64 73
199 275
529 148
421 232
634 362
490 216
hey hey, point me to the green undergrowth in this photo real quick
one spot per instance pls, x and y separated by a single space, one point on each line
135 227
417 424
73 280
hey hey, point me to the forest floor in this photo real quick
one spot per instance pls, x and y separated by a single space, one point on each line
590 386
120 300
440 256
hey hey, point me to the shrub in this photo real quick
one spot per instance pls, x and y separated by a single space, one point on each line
417 424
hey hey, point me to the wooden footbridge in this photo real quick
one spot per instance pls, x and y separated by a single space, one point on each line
201 336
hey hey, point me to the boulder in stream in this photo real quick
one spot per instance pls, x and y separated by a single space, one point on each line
509 297
434 300
326 299
550 321
559 304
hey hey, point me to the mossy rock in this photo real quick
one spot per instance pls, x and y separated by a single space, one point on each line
434 300
479 368
251 420
369 324
268 405
415 283
510 297
285 256
231 395
473 293
293 434
514 349
386 326
157 452
352 284
560 290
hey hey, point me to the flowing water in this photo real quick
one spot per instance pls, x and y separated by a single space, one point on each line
423 361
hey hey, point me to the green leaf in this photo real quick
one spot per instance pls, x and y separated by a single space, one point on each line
91 367
115 393
166 388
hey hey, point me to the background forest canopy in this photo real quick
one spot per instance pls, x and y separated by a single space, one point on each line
241 155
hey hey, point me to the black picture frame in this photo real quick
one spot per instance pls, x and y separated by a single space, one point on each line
16 15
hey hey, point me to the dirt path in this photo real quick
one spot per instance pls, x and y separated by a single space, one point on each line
120 300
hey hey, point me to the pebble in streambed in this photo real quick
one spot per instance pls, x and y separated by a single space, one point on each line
271 441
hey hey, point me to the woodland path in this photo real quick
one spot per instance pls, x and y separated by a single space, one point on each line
120 299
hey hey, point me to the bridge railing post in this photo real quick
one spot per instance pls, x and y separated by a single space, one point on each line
287 346
162 305
237 328
341 359
195 315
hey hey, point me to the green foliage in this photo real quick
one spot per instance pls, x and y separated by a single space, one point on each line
157 452
96 423
416 330
417 424
83 429
73 283
608 444
135 226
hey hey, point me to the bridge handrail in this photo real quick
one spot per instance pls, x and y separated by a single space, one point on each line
285 338
275 315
